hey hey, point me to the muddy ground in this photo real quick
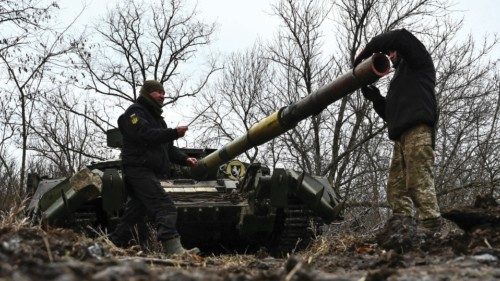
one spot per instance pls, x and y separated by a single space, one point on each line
32 253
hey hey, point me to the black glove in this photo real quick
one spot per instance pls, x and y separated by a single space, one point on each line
370 92
360 57
357 60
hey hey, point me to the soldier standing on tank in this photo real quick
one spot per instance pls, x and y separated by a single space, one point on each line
410 110
147 154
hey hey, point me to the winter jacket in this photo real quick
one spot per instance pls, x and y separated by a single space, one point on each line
147 141
411 98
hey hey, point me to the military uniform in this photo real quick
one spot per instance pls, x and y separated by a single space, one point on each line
147 154
411 180
410 110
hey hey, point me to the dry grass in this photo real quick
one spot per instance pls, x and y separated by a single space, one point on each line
15 217
331 245
103 238
232 261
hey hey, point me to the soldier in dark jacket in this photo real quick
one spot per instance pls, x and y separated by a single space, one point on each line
410 111
147 154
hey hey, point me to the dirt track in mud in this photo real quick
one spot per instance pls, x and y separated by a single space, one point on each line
30 253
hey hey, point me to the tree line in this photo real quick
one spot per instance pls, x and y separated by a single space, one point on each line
63 89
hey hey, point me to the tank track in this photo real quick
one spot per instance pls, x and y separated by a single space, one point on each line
297 226
87 218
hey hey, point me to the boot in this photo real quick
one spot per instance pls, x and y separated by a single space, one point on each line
433 228
398 233
173 246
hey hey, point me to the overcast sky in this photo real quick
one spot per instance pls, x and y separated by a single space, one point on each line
241 22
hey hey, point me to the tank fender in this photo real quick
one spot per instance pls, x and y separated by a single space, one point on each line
82 187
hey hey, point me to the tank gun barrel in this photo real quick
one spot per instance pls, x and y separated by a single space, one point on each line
288 117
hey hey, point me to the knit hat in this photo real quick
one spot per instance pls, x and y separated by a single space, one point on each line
150 86
147 88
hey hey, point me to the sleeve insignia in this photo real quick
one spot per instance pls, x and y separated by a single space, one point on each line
134 119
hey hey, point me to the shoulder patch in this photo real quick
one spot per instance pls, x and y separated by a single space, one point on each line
134 119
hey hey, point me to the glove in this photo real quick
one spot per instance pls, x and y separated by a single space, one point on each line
370 92
359 58
357 61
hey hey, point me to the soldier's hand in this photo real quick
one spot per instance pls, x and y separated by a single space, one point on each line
191 161
370 92
359 58
181 131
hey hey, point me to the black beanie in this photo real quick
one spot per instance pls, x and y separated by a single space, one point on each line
150 86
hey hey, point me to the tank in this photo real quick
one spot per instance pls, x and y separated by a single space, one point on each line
223 204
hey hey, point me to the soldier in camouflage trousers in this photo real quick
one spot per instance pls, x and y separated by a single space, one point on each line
411 179
410 110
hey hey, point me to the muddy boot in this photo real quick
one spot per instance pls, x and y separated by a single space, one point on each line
432 228
399 234
174 247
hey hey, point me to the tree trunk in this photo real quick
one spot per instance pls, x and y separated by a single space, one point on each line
24 135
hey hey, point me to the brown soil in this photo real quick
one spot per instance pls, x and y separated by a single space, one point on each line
32 253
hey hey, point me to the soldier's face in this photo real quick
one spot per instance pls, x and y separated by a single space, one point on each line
158 96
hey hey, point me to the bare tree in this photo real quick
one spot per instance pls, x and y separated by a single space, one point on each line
356 23
8 165
64 140
302 67
233 104
134 43
137 42
29 51
465 92
60 126
21 19
347 142
468 127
